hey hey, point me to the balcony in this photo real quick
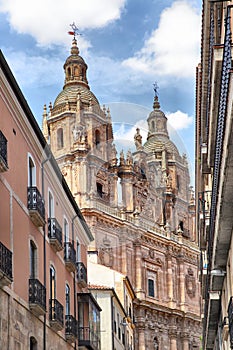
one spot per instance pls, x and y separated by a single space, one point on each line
5 266
37 297
56 315
81 274
36 206
88 322
3 153
70 328
70 256
88 338
55 234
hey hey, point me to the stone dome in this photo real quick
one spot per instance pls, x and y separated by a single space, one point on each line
158 143
158 137
71 92
76 84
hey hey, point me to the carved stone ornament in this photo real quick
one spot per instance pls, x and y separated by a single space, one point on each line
151 253
190 283
106 253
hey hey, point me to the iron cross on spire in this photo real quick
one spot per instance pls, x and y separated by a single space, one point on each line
156 88
74 31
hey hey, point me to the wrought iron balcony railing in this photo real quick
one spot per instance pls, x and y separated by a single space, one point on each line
5 266
81 274
70 328
36 206
56 317
88 338
3 153
55 234
37 297
70 256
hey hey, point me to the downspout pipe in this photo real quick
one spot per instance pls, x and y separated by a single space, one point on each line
112 322
74 278
44 246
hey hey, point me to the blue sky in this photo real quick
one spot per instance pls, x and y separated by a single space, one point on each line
127 44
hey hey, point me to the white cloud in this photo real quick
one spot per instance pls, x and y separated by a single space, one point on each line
48 22
179 120
40 71
173 48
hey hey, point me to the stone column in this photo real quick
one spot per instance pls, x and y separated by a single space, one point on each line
127 193
182 282
185 341
114 190
173 340
138 258
140 322
169 278
141 338
123 255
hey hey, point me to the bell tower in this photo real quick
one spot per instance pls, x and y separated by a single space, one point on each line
80 134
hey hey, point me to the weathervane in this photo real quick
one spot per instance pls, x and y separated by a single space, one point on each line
74 31
156 87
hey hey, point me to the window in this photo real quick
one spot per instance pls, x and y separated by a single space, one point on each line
33 343
97 138
178 181
60 142
181 225
32 259
151 288
67 300
114 319
68 72
78 252
31 172
119 329
130 310
152 125
66 230
156 343
52 283
50 206
99 188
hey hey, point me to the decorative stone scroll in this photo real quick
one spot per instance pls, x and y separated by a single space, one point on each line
190 283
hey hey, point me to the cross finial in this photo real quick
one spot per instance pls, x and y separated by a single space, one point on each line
156 87
74 31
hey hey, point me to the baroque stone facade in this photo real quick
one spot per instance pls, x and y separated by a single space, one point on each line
149 235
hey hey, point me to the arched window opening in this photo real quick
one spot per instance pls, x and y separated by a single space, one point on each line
97 138
68 72
67 300
60 141
156 343
31 172
33 343
32 260
152 125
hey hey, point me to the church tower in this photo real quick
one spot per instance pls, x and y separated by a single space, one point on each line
149 236
80 133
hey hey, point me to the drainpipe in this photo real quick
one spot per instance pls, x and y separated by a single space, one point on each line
112 322
74 278
44 246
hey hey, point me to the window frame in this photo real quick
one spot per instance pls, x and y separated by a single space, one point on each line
31 171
